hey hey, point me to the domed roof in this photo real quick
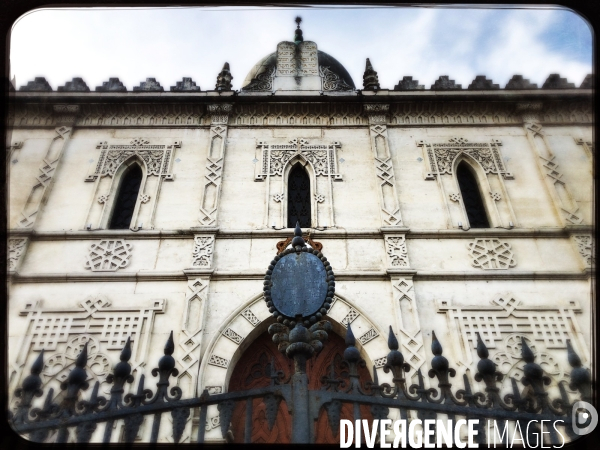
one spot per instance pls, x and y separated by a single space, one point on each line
269 63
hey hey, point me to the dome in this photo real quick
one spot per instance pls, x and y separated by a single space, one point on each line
269 63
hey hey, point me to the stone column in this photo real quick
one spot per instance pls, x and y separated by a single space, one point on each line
566 206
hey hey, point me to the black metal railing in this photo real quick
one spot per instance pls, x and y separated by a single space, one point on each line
299 343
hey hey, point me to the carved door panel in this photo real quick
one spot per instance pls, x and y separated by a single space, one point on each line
252 371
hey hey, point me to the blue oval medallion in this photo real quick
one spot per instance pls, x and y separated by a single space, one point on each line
299 284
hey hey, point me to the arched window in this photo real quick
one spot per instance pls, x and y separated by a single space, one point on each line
298 197
126 198
471 197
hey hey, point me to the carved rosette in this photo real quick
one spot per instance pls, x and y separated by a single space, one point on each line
108 255
491 254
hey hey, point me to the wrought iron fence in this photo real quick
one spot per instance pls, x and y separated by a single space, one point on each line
299 343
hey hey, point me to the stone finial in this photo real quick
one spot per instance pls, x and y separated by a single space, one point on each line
518 82
185 85
75 85
224 79
298 34
112 85
370 78
482 83
408 84
588 82
554 81
443 83
150 85
38 85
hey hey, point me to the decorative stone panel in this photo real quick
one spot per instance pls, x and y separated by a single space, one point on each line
396 251
491 254
203 251
215 360
108 255
585 246
548 326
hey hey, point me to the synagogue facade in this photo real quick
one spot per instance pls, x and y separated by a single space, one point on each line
448 209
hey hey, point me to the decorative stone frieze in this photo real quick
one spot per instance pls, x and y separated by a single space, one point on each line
41 188
350 317
368 336
215 360
396 251
548 326
108 255
380 362
203 251
250 317
66 114
232 336
491 254
15 251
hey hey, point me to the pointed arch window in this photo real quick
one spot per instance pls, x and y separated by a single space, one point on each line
471 196
126 198
298 198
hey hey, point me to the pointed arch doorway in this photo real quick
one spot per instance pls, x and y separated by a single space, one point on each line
251 372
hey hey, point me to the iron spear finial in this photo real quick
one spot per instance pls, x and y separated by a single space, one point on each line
298 35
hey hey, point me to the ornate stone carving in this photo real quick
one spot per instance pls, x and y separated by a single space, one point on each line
350 317
408 84
150 85
108 255
396 250
112 85
380 362
518 82
370 78
39 84
443 83
213 390
144 198
232 336
442 155
60 332
454 197
279 197
409 328
215 360
213 422
554 81
41 189
549 325
224 79
481 82
331 81
295 114
368 336
491 254
250 317
157 158
319 198
203 251
585 246
76 85
185 85
496 196
263 81
16 249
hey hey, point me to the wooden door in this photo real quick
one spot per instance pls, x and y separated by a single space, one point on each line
250 373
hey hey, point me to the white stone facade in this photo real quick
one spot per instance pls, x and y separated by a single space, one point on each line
212 207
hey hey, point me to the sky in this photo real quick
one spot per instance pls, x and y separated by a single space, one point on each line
175 42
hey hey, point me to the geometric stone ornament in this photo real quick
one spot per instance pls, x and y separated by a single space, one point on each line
41 189
585 246
112 85
554 81
587 145
186 85
408 84
397 251
491 254
250 317
368 336
150 85
588 82
518 82
16 249
203 251
108 255
549 326
39 84
76 85
215 360
443 83
107 326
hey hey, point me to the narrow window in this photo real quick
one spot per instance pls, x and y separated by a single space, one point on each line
471 197
298 197
126 198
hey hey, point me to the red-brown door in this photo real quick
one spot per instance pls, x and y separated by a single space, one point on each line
250 372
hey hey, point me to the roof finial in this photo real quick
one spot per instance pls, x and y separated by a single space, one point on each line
298 35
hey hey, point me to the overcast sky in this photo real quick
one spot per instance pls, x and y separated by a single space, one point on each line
170 43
